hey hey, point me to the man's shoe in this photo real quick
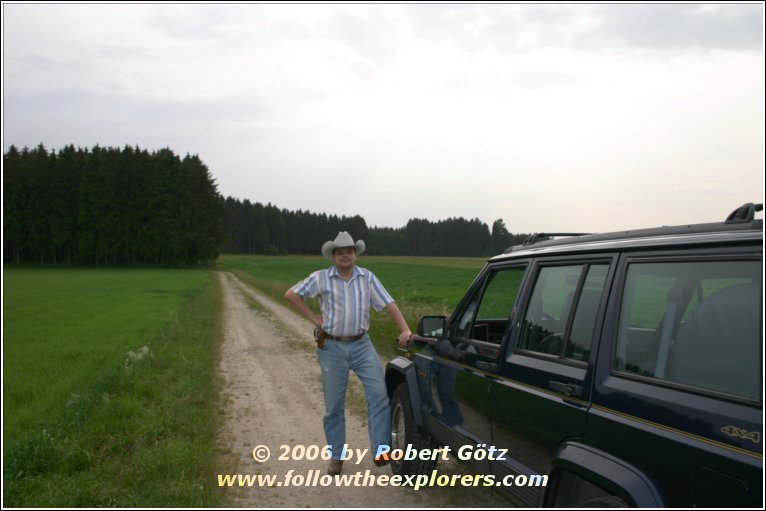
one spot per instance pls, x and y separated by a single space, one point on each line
381 460
335 467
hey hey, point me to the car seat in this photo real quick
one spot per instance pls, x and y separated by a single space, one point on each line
717 346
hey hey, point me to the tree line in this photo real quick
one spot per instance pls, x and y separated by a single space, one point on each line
252 228
113 207
109 207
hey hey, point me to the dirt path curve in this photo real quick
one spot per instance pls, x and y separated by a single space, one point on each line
272 397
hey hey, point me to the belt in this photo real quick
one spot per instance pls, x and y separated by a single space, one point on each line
344 338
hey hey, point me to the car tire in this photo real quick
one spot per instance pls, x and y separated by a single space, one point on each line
405 432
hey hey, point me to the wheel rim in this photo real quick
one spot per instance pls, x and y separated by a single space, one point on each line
398 437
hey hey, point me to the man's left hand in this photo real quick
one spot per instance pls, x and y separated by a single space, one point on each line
405 338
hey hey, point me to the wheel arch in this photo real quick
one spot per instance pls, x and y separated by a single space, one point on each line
398 371
605 471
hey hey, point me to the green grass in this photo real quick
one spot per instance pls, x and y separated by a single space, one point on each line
109 390
420 285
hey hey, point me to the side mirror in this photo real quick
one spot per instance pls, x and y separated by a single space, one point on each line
432 326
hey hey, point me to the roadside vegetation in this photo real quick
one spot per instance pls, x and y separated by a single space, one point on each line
109 388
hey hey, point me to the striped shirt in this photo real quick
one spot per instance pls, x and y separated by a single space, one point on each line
345 305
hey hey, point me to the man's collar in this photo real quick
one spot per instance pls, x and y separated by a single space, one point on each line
355 272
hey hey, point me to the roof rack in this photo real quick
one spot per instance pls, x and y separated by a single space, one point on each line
534 238
744 214
738 219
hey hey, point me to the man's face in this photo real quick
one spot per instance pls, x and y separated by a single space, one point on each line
345 257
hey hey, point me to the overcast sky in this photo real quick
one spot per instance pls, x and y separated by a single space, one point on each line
576 117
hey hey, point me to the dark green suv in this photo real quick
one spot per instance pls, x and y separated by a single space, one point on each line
620 369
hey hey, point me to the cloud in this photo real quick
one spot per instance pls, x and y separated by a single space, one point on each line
674 27
620 27
403 110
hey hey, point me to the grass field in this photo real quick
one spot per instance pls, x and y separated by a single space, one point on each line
420 285
109 375
108 394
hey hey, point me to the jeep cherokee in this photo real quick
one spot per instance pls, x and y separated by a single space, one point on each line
622 369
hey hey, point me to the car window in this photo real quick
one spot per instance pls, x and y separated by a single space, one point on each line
584 323
500 295
549 326
486 314
693 323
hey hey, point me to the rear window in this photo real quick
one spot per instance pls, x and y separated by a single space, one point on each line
693 323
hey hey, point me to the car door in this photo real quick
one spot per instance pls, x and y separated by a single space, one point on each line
680 396
543 390
465 362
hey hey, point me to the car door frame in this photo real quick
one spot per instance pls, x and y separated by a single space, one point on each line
523 370
480 366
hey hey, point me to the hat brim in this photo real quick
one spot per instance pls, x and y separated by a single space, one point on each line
329 247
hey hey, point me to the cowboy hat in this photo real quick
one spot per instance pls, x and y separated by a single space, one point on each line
343 239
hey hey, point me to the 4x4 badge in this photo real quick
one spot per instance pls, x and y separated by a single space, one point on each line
731 431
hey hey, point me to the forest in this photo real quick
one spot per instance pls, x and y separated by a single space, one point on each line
127 207
254 228
109 207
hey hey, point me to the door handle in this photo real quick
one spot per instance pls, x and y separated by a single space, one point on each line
486 366
568 389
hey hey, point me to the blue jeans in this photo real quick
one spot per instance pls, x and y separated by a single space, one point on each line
335 360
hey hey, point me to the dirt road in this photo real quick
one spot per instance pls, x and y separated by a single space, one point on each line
272 397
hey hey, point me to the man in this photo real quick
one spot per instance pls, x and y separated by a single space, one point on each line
346 293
